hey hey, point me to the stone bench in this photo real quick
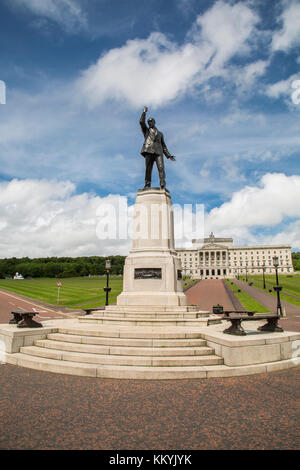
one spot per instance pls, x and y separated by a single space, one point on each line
236 318
24 319
240 312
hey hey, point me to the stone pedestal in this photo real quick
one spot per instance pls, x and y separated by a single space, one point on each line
152 271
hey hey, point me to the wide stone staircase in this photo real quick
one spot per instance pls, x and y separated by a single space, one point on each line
114 351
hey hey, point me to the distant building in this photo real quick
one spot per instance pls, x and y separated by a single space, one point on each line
217 258
18 276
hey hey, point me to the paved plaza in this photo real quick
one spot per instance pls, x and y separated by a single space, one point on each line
44 410
52 411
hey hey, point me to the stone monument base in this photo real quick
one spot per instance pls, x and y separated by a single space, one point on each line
126 350
152 271
158 311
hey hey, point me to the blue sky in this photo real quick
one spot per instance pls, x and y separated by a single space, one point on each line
222 79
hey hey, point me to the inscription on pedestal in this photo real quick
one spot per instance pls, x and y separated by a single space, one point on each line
147 273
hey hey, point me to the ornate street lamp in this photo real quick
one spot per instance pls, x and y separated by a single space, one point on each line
277 288
107 289
263 270
246 274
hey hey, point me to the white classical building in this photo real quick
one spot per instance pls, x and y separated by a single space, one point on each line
218 258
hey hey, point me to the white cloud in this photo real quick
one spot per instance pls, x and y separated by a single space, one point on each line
41 218
67 13
283 88
278 89
266 205
289 34
289 235
228 29
245 77
155 70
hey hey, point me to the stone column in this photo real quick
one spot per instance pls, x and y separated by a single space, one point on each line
151 271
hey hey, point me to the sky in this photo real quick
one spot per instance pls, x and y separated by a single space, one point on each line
222 80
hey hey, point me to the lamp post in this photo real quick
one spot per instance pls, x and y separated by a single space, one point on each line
277 288
263 270
246 274
107 289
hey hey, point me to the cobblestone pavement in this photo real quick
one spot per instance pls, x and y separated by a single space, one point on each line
267 300
208 293
40 410
11 301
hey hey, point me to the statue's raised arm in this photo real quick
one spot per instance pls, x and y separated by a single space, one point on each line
142 120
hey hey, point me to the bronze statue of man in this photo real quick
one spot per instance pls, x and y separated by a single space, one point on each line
153 149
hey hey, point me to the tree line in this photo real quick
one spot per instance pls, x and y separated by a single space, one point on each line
73 267
296 260
60 267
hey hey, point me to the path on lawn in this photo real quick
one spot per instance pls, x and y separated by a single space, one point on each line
210 292
267 300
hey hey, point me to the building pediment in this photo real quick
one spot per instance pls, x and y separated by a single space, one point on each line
214 246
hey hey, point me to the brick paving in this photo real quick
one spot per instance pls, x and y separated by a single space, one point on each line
40 410
208 293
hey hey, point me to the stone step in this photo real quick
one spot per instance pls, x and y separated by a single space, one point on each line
88 358
122 332
144 373
141 321
148 315
131 342
124 351
153 309
52 365
110 371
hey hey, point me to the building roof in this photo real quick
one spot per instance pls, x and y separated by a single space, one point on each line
214 243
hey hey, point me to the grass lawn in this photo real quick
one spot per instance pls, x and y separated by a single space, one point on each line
290 285
246 300
75 292
188 282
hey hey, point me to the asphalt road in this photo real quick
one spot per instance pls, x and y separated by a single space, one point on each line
11 301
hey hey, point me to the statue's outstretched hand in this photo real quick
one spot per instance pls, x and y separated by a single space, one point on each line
145 109
173 158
